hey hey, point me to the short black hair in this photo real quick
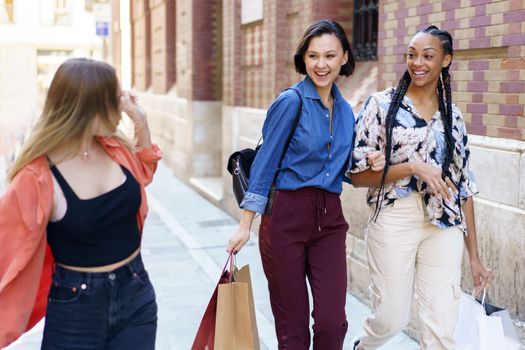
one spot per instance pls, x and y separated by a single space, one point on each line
324 26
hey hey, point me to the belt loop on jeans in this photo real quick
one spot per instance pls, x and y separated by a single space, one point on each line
131 268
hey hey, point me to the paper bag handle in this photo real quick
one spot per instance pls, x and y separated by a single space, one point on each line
483 295
231 261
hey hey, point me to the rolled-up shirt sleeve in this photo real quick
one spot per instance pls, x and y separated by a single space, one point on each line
276 128
367 136
147 160
467 184
254 202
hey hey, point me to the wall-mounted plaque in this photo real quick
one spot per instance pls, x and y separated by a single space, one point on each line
251 11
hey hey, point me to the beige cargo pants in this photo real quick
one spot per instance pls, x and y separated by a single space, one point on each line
404 249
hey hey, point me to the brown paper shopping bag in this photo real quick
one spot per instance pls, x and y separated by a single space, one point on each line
204 338
235 323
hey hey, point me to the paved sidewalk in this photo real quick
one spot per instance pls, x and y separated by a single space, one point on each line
184 252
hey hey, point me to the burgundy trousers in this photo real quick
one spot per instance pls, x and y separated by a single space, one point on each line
304 238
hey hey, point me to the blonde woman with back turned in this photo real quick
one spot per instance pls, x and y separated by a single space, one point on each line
71 220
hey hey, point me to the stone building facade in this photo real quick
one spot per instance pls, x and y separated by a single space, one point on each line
34 41
207 70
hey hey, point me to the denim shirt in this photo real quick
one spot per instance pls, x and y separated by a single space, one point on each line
314 158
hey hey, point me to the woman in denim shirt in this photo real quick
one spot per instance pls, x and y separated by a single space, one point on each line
304 236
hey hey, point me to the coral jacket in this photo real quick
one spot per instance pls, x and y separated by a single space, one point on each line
25 258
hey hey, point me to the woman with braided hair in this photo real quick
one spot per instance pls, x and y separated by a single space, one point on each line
421 203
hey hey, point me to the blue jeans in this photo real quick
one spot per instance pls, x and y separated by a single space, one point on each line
107 310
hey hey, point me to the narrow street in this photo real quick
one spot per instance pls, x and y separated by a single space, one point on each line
184 251
207 74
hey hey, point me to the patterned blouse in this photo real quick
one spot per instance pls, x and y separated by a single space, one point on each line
414 139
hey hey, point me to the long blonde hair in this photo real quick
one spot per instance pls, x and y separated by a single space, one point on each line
81 90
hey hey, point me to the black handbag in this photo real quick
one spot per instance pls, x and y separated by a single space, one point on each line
240 163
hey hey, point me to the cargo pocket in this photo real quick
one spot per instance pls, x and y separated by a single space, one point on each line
375 297
457 292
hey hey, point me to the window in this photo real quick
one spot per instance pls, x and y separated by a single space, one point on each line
365 30
6 12
48 61
251 11
88 5
55 12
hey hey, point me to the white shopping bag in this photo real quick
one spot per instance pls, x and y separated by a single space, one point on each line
482 326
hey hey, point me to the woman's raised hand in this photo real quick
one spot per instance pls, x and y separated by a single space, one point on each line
129 105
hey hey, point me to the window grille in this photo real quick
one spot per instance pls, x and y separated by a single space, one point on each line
365 30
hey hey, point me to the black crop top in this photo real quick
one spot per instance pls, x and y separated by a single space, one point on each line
97 231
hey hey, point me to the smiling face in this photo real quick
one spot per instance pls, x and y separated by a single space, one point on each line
323 60
425 59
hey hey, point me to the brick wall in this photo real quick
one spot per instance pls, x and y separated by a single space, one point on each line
116 37
206 46
248 65
141 48
252 54
184 47
214 56
263 54
163 44
341 11
217 55
232 83
488 72
199 49
298 19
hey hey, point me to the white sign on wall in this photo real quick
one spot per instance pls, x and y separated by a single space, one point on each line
102 12
102 16
251 11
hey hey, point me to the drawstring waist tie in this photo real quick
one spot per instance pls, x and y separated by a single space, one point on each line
320 198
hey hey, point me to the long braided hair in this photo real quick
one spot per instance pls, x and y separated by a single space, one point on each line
445 109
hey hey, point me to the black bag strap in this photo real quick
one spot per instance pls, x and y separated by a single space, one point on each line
292 132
